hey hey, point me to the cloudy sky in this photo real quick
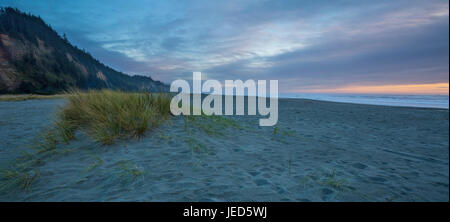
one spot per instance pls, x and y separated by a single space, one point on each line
308 46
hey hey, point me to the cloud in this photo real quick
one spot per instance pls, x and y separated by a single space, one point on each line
304 44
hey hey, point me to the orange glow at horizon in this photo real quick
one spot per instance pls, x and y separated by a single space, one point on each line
434 88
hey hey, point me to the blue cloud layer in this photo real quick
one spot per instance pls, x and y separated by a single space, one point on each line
303 44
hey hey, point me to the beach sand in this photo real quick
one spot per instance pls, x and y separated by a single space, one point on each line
319 151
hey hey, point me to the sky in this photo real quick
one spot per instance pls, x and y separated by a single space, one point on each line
336 46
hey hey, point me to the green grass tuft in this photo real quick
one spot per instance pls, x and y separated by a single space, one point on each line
17 178
96 163
109 115
212 125
14 98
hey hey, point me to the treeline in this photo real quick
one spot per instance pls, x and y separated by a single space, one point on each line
62 66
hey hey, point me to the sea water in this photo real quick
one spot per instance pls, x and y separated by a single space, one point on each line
432 101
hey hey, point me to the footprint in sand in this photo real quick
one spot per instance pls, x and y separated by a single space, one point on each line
359 166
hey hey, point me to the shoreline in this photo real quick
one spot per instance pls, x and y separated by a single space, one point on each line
423 101
366 104
24 97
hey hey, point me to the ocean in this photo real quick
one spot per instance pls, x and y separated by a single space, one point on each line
431 101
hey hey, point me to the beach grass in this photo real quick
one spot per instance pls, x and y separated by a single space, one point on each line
105 115
212 125
129 170
326 179
98 162
23 97
108 115
17 179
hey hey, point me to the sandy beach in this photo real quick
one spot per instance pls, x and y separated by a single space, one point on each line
318 151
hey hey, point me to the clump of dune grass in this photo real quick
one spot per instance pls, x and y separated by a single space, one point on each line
105 115
281 134
196 146
95 164
326 179
108 115
332 180
212 125
129 170
17 178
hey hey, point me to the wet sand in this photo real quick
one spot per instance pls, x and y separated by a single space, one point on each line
319 151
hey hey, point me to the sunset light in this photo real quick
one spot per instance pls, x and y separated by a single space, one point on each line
414 89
